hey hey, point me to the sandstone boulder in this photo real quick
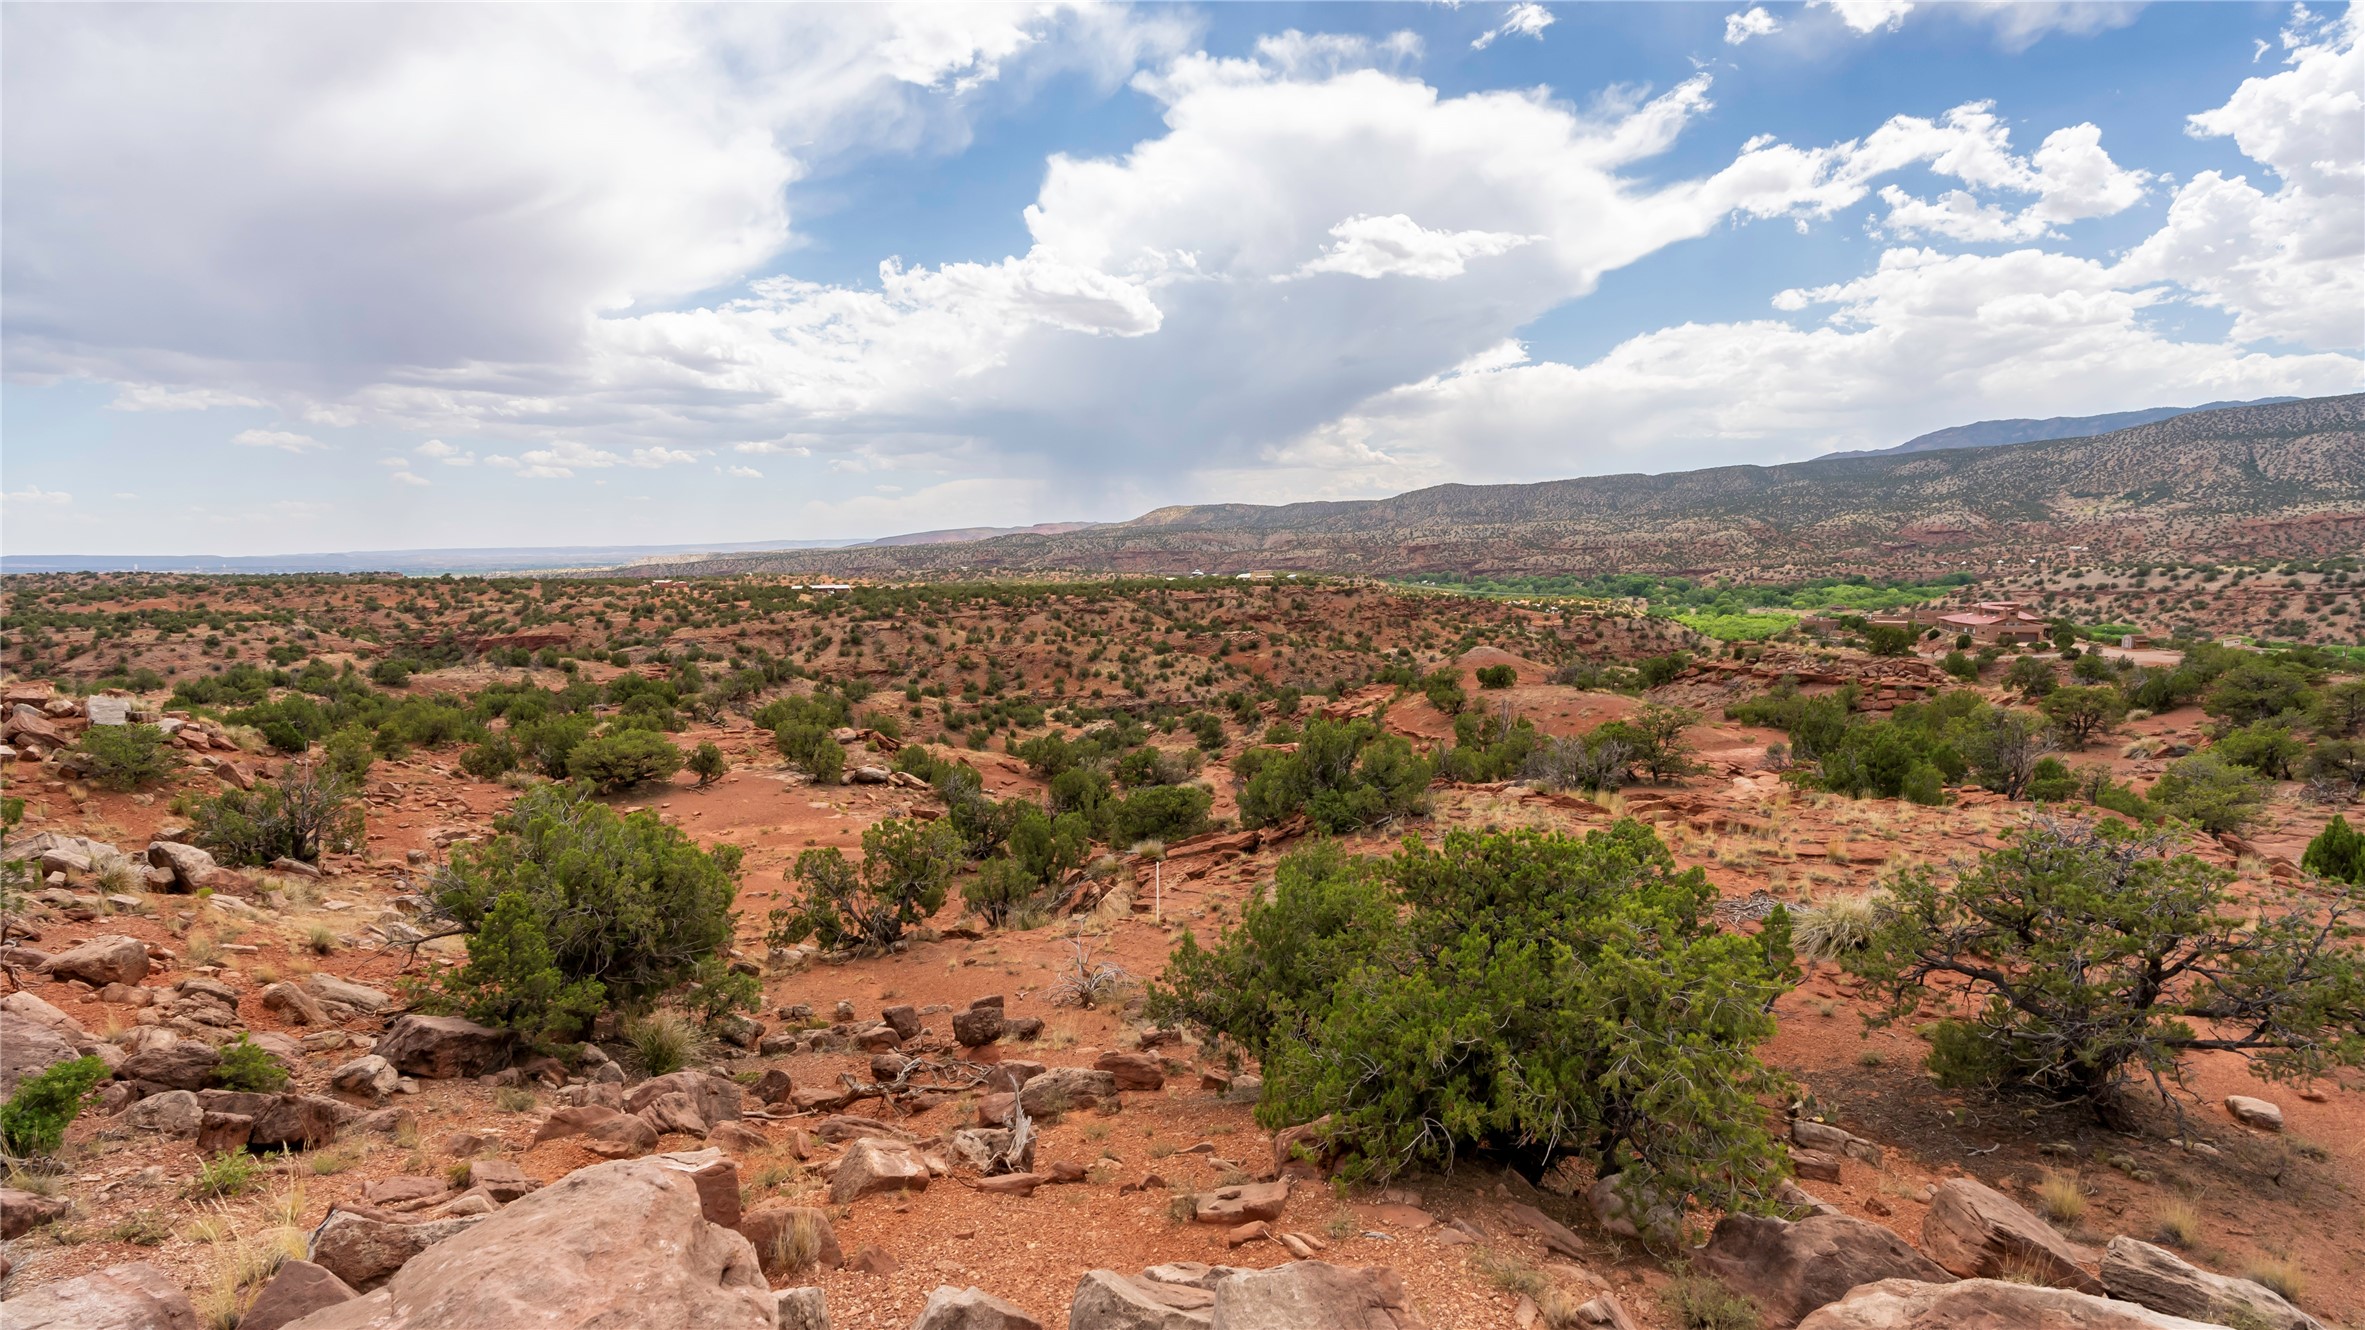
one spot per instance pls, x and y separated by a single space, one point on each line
368 1077
174 1113
366 1252
1243 1203
950 1308
2260 1113
611 1132
1791 1269
616 1245
801 1309
790 1239
28 1049
2135 1271
873 1165
709 1097
329 988
298 1290
1106 1300
184 1065
903 1020
1132 1071
23 1211
977 1027
444 1047
1314 1295
1983 1304
294 1003
137 1296
300 1121
672 1113
222 1133
101 961
1066 1089
1978 1232
191 868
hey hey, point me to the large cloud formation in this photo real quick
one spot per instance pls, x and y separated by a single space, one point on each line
537 228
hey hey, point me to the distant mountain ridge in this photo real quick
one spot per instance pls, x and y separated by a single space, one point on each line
2281 480
1993 433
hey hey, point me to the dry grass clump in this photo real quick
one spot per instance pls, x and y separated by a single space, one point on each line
2179 1224
1828 930
2060 1197
2283 1276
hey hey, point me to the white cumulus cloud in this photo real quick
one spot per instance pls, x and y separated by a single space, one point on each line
284 440
1524 20
1751 22
1395 245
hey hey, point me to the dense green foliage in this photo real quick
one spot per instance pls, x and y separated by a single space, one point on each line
571 906
34 1120
2209 792
310 810
1342 774
2079 956
2337 852
906 869
126 757
248 1066
1515 995
618 762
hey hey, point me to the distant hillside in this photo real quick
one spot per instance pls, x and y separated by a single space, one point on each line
1990 433
2286 479
956 535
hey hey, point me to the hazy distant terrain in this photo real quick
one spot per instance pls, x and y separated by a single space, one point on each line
1990 433
2240 482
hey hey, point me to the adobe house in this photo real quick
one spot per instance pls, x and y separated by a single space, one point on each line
1996 622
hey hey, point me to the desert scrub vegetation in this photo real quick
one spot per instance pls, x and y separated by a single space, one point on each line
2080 957
1521 996
571 907
35 1118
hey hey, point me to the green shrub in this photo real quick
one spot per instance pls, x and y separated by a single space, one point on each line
1521 995
2266 747
906 869
1344 774
2336 852
347 753
1002 887
2079 714
229 1174
2090 956
309 811
1497 676
248 1066
550 743
490 760
2051 781
126 757
1444 691
615 763
708 764
34 1120
2212 794
2258 689
570 906
808 747
1164 812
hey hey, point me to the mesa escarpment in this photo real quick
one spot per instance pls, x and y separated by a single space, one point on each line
982 1121
2272 481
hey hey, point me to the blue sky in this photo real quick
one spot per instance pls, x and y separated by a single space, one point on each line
307 278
